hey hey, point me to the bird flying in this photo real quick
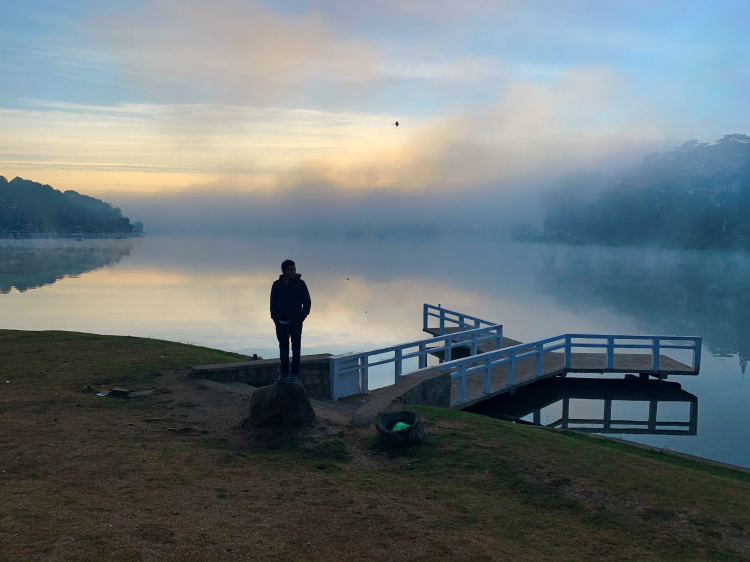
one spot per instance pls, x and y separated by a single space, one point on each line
396 123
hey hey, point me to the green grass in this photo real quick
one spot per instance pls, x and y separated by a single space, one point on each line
72 360
475 489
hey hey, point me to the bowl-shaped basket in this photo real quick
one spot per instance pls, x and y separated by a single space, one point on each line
412 434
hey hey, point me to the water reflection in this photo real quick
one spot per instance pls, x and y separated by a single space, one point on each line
626 406
31 264
665 291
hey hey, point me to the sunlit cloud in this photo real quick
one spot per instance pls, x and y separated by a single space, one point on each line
533 131
147 148
586 117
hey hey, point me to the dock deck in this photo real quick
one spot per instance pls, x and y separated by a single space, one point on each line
553 365
483 363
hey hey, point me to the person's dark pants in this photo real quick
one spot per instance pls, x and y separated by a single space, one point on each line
284 332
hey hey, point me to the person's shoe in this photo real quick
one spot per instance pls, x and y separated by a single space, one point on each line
292 379
282 379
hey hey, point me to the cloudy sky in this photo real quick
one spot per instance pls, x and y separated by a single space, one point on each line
224 108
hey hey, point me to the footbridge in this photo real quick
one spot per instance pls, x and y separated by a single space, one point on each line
482 363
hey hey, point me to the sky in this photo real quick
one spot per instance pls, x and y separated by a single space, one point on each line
231 115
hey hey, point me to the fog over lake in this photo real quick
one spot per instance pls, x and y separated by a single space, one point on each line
368 293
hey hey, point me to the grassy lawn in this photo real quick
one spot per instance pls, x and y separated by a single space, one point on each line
158 478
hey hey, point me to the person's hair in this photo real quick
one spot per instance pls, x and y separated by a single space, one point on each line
286 263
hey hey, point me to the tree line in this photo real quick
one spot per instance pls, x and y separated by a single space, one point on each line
695 196
30 206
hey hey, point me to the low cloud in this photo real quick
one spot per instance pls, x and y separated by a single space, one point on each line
326 212
230 167
480 171
533 132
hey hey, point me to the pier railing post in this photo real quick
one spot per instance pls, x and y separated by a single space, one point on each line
363 381
425 317
461 322
461 390
510 372
539 360
655 354
442 322
422 355
487 386
398 365
610 353
448 349
568 352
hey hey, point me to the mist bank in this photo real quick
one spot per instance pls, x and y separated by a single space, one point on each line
696 196
324 212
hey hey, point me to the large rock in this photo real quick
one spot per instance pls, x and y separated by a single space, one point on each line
280 405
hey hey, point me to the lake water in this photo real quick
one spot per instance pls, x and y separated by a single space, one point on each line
369 293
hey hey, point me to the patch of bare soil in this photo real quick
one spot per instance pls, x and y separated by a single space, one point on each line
204 407
219 410
358 442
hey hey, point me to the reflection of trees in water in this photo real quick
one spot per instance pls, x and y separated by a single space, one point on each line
668 292
27 265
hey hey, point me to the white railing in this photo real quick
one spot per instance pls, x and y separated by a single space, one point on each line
350 371
445 316
485 362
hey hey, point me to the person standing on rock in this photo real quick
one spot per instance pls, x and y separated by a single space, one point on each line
290 305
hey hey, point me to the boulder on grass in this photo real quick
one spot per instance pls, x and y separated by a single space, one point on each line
412 434
280 406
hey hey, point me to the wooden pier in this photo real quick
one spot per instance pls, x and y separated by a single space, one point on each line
483 363
554 365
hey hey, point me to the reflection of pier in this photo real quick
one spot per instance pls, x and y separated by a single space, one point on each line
532 400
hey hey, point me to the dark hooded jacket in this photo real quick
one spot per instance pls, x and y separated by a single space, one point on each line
290 302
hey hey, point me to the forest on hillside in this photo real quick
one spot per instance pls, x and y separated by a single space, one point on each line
697 196
33 207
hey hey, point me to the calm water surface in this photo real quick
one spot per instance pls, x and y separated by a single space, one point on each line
368 294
